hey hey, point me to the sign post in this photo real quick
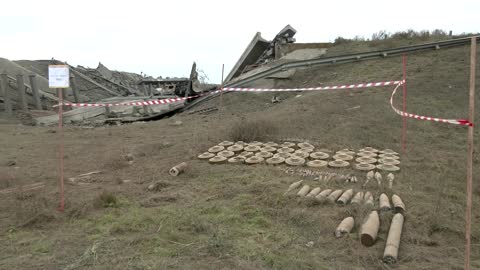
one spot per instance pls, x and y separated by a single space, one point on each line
58 78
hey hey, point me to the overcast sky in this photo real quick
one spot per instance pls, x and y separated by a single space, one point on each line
163 38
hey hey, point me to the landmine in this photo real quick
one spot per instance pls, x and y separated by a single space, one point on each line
305 145
342 157
367 154
285 150
398 204
317 163
388 151
206 155
305 150
287 145
379 178
268 149
364 166
392 156
275 160
235 148
390 178
319 155
369 230
358 198
370 176
177 169
368 199
345 227
346 152
264 154
295 161
334 195
369 149
237 159
314 192
254 160
345 198
255 143
384 203
217 159
303 191
282 155
389 161
226 154
216 149
226 143
322 196
271 144
300 154
246 154
388 167
293 186
367 160
390 254
251 148
338 163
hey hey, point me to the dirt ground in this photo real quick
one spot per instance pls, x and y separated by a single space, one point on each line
235 216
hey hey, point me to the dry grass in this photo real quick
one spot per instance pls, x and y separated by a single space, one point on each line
235 217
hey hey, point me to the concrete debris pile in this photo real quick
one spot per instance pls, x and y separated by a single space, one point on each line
24 88
261 54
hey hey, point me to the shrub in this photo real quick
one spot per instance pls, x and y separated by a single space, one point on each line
252 130
106 199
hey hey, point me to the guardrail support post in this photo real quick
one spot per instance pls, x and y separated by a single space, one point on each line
4 92
73 85
21 92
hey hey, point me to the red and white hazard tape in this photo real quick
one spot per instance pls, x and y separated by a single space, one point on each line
463 122
138 103
344 86
233 89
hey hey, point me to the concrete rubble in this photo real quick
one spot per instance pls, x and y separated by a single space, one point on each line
98 85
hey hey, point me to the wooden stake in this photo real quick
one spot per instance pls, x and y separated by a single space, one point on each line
60 149
404 129
468 214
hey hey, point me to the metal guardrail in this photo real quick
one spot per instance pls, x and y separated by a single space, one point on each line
352 58
348 58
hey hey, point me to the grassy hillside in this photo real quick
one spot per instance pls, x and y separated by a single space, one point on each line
236 217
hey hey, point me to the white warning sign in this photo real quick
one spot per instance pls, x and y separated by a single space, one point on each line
58 76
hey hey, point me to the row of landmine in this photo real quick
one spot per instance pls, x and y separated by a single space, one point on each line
274 154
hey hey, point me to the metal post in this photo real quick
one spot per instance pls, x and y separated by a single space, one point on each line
221 90
61 149
6 97
73 85
21 92
36 94
471 110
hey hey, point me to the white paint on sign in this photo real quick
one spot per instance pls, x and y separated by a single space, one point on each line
58 76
